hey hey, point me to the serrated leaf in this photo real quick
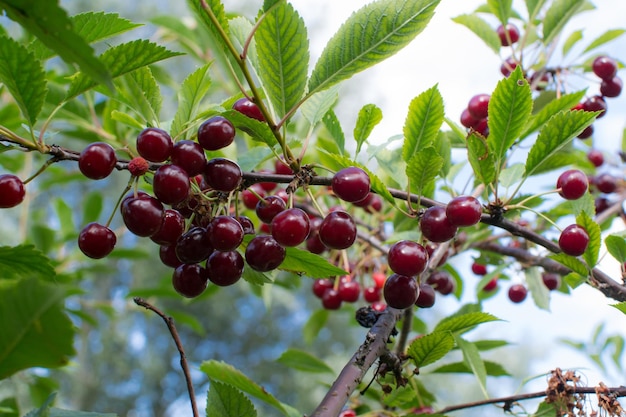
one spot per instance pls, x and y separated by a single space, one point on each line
255 277
57 412
225 373
545 410
584 204
565 102
140 90
218 18
36 332
307 263
620 306
126 119
423 122
482 29
303 361
480 158
316 106
572 40
283 51
257 130
501 9
224 400
606 37
24 261
24 77
464 322
422 169
492 369
267 4
51 25
430 348
369 116
191 92
558 131
92 27
314 324
372 34
122 59
510 106
595 239
571 262
490 344
511 175
616 245
557 15
538 290
333 126
533 7
471 357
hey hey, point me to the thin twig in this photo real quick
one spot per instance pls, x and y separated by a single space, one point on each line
183 359
407 325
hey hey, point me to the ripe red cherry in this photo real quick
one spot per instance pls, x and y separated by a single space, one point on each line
269 207
479 269
348 413
586 133
612 87
225 233
351 184
511 30
264 254
606 183
224 268
436 226
142 215
442 282
349 291
551 280
248 108
193 246
508 66
97 160
604 67
478 106
154 144
595 103
216 133
331 300
379 279
171 184
246 224
464 210
407 258
574 240
372 294
189 280
96 241
517 293
596 157
222 174
468 120
172 227
321 285
189 156
491 285
11 191
167 254
280 167
250 196
573 184
426 296
337 230
400 291
290 227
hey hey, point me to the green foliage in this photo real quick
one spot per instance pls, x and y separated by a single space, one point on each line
25 261
471 357
309 264
593 230
462 323
192 91
606 37
481 159
616 245
303 361
369 116
430 348
422 122
225 400
481 28
422 169
538 291
557 16
501 9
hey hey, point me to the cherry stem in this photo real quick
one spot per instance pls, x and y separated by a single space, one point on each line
169 321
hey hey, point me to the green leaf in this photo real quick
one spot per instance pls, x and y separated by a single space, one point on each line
464 322
372 34
267 4
36 332
314 324
533 7
606 37
572 40
307 263
558 131
510 106
557 15
51 25
92 206
595 239
369 116
127 119
333 126
57 412
255 277
139 89
430 348
480 158
620 306
490 344
122 59
511 175
222 372
283 51
423 122
217 9
545 410
257 130
65 215
224 400
422 169
44 410
193 89
318 105
24 261
303 361
565 102
616 245
482 29
538 290
501 9
471 357
492 369
24 77
571 262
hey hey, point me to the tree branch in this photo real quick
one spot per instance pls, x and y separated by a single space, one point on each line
374 346
183 359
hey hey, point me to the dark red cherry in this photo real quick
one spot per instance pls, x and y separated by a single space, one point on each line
216 133
426 296
97 160
96 241
400 291
189 280
225 233
224 268
172 227
248 108
574 240
190 156
171 184
290 227
222 174
464 210
573 184
478 106
604 67
407 257
264 254
154 144
142 215
436 226
337 230
351 184
11 191
508 34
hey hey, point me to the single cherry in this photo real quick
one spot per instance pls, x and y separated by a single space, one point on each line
269 207
189 280
426 296
604 67
574 240
478 106
351 184
464 210
222 174
216 133
190 156
517 293
551 280
172 227
479 269
142 215
225 233
97 160
290 227
337 230
224 268
154 144
407 257
573 184
400 291
171 184
508 34
264 254
96 241
12 191
248 108
436 226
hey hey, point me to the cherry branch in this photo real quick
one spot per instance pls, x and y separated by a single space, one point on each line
374 346
509 400
183 358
